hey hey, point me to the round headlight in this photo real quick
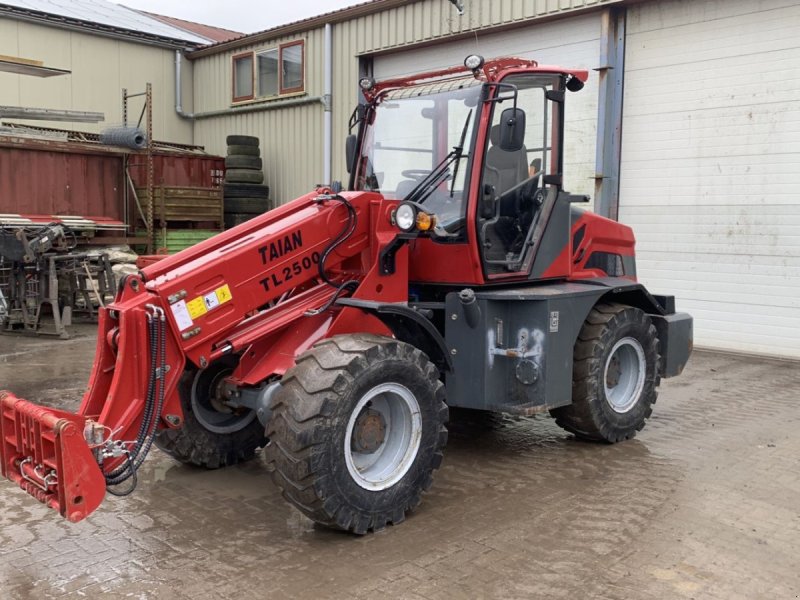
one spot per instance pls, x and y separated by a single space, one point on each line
405 217
473 62
366 83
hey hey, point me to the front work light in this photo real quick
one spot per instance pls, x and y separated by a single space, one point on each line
473 62
405 217
409 217
366 83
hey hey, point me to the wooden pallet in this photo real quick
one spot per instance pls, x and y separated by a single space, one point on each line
184 207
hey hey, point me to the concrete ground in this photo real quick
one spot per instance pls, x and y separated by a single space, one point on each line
703 504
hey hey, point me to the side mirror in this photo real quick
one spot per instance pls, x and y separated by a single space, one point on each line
350 151
574 84
512 129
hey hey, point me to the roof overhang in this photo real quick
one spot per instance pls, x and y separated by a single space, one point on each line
62 22
338 16
25 66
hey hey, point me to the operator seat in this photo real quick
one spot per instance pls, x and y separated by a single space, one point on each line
405 187
504 170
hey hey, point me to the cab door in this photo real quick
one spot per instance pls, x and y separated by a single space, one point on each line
521 177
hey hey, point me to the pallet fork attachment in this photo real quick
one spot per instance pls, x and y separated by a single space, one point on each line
44 451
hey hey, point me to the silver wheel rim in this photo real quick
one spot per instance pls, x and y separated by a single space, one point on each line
624 373
386 465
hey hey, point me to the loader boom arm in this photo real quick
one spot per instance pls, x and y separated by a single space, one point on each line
223 296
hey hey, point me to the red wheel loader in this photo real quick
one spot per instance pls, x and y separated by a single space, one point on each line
336 330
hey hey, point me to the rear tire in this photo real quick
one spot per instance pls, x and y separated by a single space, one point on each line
240 150
241 140
245 190
247 206
243 176
234 219
243 162
210 437
357 429
615 375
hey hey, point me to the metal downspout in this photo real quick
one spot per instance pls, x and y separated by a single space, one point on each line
609 113
178 87
327 127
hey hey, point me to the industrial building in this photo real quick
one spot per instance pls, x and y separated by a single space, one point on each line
688 130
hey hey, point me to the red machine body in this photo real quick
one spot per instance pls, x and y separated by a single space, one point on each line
257 292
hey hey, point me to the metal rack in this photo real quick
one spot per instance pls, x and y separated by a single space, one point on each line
43 297
148 215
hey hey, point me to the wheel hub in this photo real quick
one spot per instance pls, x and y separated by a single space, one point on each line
614 371
625 372
209 402
369 431
383 436
217 397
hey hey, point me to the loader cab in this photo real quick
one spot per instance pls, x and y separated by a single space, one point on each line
477 153
521 171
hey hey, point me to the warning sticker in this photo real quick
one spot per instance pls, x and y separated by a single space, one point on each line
197 307
223 294
181 314
211 301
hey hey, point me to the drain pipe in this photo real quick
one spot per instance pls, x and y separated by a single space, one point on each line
327 131
179 87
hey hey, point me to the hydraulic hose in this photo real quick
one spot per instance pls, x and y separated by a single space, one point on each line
349 229
161 384
119 475
154 402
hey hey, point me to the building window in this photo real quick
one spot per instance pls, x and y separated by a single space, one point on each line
292 67
243 77
268 79
269 73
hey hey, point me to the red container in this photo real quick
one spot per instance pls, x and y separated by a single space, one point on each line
55 177
184 169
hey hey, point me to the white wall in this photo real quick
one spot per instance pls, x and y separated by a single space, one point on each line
711 165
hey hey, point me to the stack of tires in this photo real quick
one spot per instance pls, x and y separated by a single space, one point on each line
245 195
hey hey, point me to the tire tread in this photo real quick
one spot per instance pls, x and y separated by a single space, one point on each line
583 417
307 399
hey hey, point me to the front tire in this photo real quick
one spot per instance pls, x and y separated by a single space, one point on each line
212 435
615 375
357 429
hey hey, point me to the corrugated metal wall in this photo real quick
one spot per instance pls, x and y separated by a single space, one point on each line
101 67
429 20
711 166
291 145
291 138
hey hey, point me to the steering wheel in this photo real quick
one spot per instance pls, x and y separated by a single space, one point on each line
415 173
515 194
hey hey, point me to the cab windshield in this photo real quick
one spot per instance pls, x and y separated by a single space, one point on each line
418 145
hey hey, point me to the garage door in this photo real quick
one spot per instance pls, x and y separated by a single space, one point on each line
572 42
711 165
